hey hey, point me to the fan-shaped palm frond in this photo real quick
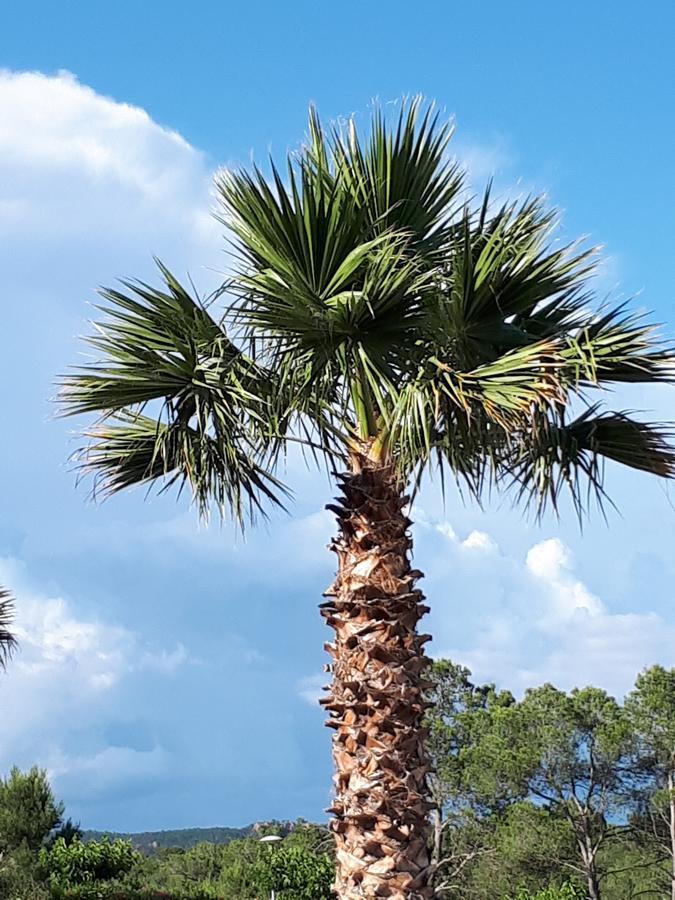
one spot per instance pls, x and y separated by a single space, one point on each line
8 642
216 422
552 457
402 178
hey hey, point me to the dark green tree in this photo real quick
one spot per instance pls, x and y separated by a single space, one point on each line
29 811
531 847
651 708
571 753
454 722
390 326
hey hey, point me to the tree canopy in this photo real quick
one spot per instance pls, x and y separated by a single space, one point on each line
28 810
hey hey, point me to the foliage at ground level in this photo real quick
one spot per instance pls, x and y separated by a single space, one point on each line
555 796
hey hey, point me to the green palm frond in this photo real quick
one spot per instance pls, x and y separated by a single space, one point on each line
157 345
304 231
214 424
500 274
8 642
402 178
616 346
130 449
461 419
554 457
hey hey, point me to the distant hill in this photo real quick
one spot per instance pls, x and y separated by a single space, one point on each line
149 841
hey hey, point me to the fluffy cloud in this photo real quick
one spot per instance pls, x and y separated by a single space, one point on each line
72 161
524 620
69 673
531 620
550 562
90 188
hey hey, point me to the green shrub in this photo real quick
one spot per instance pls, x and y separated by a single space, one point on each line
567 891
110 891
296 873
18 880
68 865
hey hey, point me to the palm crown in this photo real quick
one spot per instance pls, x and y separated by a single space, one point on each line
372 307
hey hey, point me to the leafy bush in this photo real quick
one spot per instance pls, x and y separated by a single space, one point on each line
566 891
18 880
115 891
87 871
296 873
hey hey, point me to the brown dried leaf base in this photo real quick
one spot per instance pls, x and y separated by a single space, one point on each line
376 701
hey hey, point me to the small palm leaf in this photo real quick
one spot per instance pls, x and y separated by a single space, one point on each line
8 642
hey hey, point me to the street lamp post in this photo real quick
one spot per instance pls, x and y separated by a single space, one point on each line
271 840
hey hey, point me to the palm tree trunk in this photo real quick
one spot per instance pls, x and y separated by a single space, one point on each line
671 823
376 700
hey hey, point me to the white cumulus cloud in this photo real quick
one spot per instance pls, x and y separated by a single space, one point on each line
522 622
72 160
550 562
65 675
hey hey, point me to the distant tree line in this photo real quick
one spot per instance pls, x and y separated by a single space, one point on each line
556 796
148 842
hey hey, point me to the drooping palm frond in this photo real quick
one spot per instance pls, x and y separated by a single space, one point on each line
213 414
131 448
8 642
552 458
442 401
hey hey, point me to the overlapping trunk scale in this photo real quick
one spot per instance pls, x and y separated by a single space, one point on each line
376 701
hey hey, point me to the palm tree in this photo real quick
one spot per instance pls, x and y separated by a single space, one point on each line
390 326
7 640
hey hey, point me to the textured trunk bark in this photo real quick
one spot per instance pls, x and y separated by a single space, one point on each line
437 826
592 879
376 701
587 856
671 800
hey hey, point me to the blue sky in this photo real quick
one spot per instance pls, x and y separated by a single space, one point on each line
169 673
